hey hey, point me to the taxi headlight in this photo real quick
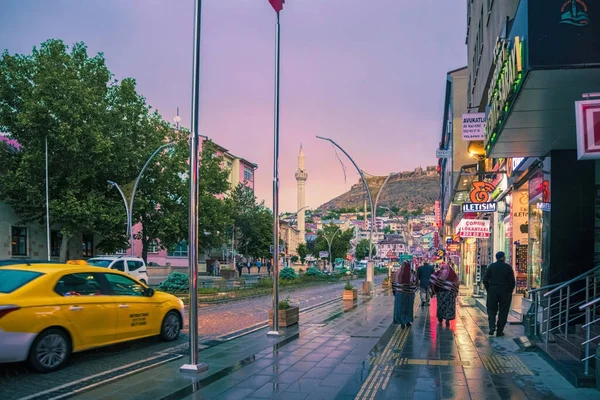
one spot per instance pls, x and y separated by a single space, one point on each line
180 303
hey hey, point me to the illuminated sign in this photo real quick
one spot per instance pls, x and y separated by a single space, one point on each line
574 12
474 228
506 81
481 192
516 162
479 207
543 206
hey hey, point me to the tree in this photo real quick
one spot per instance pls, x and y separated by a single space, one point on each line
96 127
418 211
387 229
362 250
253 222
340 244
302 252
294 259
311 247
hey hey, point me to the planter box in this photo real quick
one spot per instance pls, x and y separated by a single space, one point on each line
350 294
228 274
288 317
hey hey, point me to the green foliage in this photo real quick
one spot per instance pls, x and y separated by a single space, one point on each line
381 270
417 212
264 282
96 129
294 259
288 274
285 304
340 244
362 250
344 271
313 272
253 223
207 291
177 282
348 286
302 252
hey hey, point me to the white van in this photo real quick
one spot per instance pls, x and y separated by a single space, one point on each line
136 267
361 265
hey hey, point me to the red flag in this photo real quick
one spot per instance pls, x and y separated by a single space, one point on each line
277 4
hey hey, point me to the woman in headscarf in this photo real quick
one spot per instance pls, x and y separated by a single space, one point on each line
444 283
404 285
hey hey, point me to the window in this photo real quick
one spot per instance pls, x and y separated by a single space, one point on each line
79 285
124 286
55 243
19 241
11 280
134 265
180 250
248 174
119 266
88 246
121 251
153 247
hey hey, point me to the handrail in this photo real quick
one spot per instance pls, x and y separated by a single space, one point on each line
567 283
544 288
589 304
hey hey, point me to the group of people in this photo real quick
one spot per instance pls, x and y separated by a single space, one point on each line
443 282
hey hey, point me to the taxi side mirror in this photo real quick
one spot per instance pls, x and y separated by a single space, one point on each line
148 292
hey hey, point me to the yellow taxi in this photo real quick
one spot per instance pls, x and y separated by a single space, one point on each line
48 311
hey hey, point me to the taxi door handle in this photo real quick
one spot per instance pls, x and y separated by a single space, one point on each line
75 308
123 305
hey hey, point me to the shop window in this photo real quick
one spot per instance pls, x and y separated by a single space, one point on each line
88 245
55 243
19 241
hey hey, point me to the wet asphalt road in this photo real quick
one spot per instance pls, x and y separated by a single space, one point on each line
17 382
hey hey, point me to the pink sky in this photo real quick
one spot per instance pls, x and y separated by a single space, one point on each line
369 74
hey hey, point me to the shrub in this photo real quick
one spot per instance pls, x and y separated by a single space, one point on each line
314 272
285 304
288 273
177 282
300 271
343 271
208 291
265 282
348 286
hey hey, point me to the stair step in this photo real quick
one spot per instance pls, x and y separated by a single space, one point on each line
569 366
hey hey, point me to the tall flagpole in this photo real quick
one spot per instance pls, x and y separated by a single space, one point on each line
194 365
275 328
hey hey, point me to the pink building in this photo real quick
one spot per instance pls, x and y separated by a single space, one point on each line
240 171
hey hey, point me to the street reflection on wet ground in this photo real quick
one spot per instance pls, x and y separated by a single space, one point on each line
352 351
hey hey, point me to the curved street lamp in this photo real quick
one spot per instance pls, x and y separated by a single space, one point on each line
364 180
129 208
329 244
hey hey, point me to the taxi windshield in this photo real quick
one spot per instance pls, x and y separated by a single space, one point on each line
99 263
12 279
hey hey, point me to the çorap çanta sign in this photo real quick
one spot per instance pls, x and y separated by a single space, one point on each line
473 228
473 126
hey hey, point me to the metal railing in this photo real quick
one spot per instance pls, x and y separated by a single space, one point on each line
559 306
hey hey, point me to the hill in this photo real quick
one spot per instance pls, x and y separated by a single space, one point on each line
409 190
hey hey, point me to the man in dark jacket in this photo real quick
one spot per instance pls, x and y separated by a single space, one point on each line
424 273
499 282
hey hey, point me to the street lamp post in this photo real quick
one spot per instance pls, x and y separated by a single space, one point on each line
129 208
194 365
370 271
329 242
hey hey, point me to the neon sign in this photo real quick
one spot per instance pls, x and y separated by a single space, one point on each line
506 80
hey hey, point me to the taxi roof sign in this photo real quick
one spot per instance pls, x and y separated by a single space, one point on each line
77 262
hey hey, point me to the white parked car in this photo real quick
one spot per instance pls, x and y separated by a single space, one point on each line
133 266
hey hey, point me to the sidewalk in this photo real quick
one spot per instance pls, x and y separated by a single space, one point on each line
353 352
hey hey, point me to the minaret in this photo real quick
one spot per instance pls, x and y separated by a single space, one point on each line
301 177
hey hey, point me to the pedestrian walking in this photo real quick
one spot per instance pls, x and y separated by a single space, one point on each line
258 265
499 282
239 267
249 265
269 267
404 286
445 283
424 273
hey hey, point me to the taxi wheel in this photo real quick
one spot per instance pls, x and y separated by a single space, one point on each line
171 326
50 351
144 282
